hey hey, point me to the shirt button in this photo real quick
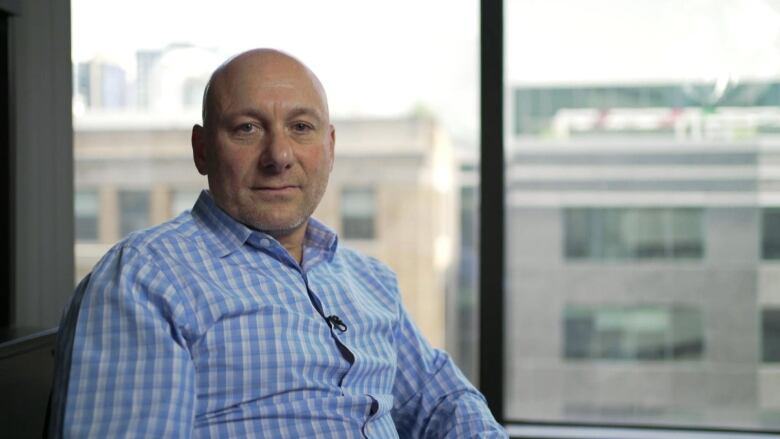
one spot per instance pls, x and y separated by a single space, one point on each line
265 242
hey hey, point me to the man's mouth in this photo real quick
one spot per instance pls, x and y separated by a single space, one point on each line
280 189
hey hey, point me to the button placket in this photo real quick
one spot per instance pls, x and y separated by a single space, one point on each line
345 352
372 411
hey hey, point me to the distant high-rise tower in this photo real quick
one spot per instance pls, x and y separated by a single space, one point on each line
172 79
102 84
147 63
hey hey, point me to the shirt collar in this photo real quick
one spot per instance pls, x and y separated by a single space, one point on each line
321 238
225 234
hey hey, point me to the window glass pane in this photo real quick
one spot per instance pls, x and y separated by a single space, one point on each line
686 233
357 213
632 333
770 335
609 232
579 333
646 237
86 210
134 208
579 231
405 136
687 338
642 212
770 236
632 234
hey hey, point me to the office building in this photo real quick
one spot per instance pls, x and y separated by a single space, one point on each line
642 257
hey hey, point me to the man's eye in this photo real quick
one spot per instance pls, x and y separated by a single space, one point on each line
301 127
245 128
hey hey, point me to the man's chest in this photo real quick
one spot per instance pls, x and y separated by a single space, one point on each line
267 339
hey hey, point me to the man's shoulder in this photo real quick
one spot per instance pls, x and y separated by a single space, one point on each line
364 263
180 227
170 237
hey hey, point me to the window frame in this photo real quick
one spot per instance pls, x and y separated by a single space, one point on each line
39 201
8 172
491 207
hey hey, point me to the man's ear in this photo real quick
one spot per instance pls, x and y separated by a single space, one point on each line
332 146
199 145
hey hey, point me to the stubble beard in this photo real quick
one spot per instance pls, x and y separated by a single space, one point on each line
261 217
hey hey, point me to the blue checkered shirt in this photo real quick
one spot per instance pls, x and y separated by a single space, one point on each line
203 327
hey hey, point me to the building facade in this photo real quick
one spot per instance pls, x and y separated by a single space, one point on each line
643 284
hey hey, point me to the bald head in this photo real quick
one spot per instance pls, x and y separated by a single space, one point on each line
266 144
270 64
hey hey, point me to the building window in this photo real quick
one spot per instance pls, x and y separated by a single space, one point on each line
770 237
632 333
86 209
633 233
134 211
357 213
770 335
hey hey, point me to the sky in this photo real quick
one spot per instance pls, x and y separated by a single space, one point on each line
388 58
569 41
374 59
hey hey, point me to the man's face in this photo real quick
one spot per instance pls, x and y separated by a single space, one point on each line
268 144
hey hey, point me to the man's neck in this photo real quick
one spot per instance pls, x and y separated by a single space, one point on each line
292 241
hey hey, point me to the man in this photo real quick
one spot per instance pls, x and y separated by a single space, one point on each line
245 318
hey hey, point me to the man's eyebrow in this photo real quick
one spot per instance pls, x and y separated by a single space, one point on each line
229 115
305 111
292 113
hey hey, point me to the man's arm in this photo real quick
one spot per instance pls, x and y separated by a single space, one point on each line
432 397
124 369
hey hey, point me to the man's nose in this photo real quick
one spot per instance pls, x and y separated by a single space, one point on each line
277 154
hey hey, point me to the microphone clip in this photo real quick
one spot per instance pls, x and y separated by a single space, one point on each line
335 322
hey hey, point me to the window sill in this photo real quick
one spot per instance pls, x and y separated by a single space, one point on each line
565 432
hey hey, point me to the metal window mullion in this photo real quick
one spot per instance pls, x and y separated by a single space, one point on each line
491 210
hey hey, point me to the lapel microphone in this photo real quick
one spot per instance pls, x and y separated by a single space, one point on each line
335 322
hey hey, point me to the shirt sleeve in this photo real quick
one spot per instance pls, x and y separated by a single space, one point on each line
128 371
433 399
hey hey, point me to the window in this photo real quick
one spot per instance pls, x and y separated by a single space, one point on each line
770 236
609 110
134 208
633 234
86 210
357 213
634 197
632 333
770 335
398 149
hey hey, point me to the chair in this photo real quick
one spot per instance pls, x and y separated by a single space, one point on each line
26 371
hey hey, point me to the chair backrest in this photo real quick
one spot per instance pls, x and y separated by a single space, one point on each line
26 371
